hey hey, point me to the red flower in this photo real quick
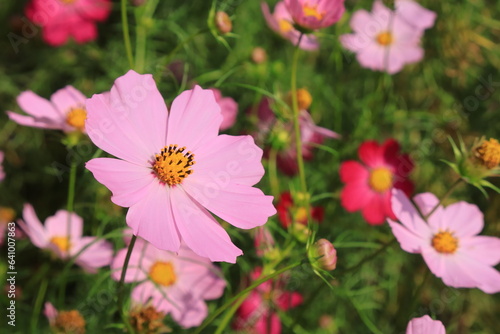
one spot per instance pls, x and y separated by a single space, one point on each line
368 187
287 211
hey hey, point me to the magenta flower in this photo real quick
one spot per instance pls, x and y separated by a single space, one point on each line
2 173
383 40
65 111
425 325
62 19
228 109
281 22
176 284
315 14
448 241
54 236
173 167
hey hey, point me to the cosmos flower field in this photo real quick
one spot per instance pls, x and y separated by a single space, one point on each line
258 167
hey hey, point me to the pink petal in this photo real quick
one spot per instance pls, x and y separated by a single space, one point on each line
355 196
50 312
128 182
267 320
97 10
151 218
482 249
35 122
57 225
426 202
38 107
270 19
191 312
408 241
415 14
138 266
67 98
147 291
463 219
56 34
425 325
287 300
226 159
194 119
369 153
200 231
242 206
33 227
353 171
84 32
98 254
373 211
361 22
409 216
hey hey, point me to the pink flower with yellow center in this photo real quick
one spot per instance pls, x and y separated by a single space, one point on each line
54 236
315 14
62 19
425 325
368 185
281 22
176 284
384 40
228 109
65 111
448 240
174 166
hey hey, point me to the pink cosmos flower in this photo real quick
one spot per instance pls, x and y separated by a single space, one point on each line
448 241
384 40
65 111
2 173
368 187
62 19
255 315
315 14
173 167
54 236
413 13
176 284
281 22
228 108
425 325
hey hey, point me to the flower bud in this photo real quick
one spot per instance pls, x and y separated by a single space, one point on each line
324 255
146 319
259 55
223 22
69 322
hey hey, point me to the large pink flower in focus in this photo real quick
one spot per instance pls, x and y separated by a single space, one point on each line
62 19
174 166
384 40
315 14
425 325
448 241
256 314
281 22
228 109
65 111
176 284
368 185
54 236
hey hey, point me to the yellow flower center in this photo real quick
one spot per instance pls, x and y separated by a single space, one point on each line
385 38
304 98
313 11
69 322
380 179
488 153
162 273
445 242
76 118
62 243
301 214
173 164
285 26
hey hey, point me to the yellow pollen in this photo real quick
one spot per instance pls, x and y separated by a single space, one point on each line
62 243
380 179
285 26
312 11
385 38
301 214
488 153
69 322
67 2
6 215
162 273
76 118
173 164
445 242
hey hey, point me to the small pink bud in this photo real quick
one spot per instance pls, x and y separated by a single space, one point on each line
223 22
324 255
259 55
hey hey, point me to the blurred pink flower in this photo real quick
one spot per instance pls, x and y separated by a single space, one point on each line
448 241
50 312
172 167
228 109
176 284
65 111
384 40
255 315
413 13
425 325
62 19
315 14
54 237
2 173
281 22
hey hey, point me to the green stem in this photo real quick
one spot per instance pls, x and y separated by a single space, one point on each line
144 15
243 292
38 305
126 34
122 280
370 257
273 174
448 193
